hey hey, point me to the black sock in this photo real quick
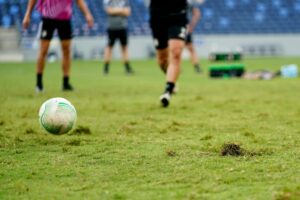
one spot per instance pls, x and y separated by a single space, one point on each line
127 66
106 68
197 68
169 87
66 80
39 80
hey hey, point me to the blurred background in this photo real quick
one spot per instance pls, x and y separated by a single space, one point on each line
251 27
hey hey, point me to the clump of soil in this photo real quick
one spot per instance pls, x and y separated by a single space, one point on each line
171 153
81 130
231 149
29 131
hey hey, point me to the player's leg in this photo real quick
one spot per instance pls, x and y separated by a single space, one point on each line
45 33
66 63
193 53
125 58
175 47
44 46
176 44
107 58
162 56
65 34
108 50
194 57
123 36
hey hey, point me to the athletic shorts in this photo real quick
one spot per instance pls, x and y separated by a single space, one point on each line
48 26
163 30
114 35
189 38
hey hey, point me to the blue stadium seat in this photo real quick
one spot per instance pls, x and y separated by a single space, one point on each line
14 9
6 21
218 17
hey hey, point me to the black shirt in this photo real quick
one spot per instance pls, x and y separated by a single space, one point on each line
168 8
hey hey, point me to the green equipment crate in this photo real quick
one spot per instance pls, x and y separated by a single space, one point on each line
226 70
233 56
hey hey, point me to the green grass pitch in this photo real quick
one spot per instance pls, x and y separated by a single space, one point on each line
125 146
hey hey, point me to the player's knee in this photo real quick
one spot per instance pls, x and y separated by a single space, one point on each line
162 57
163 61
190 48
176 53
66 51
43 53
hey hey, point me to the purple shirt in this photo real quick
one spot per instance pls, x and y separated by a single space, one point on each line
55 9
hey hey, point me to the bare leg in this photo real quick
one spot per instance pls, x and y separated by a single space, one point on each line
173 71
125 59
194 57
44 46
66 53
176 47
66 64
107 54
124 51
162 56
107 58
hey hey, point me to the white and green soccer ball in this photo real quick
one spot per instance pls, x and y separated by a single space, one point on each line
57 115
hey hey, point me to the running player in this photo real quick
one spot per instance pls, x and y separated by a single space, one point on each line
56 15
117 24
194 17
168 21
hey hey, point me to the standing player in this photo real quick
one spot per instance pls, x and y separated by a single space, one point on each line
194 17
117 24
168 21
56 15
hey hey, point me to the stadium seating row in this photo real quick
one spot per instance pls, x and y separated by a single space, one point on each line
218 17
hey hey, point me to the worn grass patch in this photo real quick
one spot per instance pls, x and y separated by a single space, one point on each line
232 149
81 130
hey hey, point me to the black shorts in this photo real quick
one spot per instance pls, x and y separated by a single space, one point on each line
163 30
189 38
63 27
114 35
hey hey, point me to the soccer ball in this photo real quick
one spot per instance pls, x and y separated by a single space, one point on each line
57 116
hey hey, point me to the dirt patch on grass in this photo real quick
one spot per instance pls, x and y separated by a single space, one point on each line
232 149
17 139
176 123
133 123
47 140
288 194
81 130
171 153
207 137
74 142
199 98
30 131
249 134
